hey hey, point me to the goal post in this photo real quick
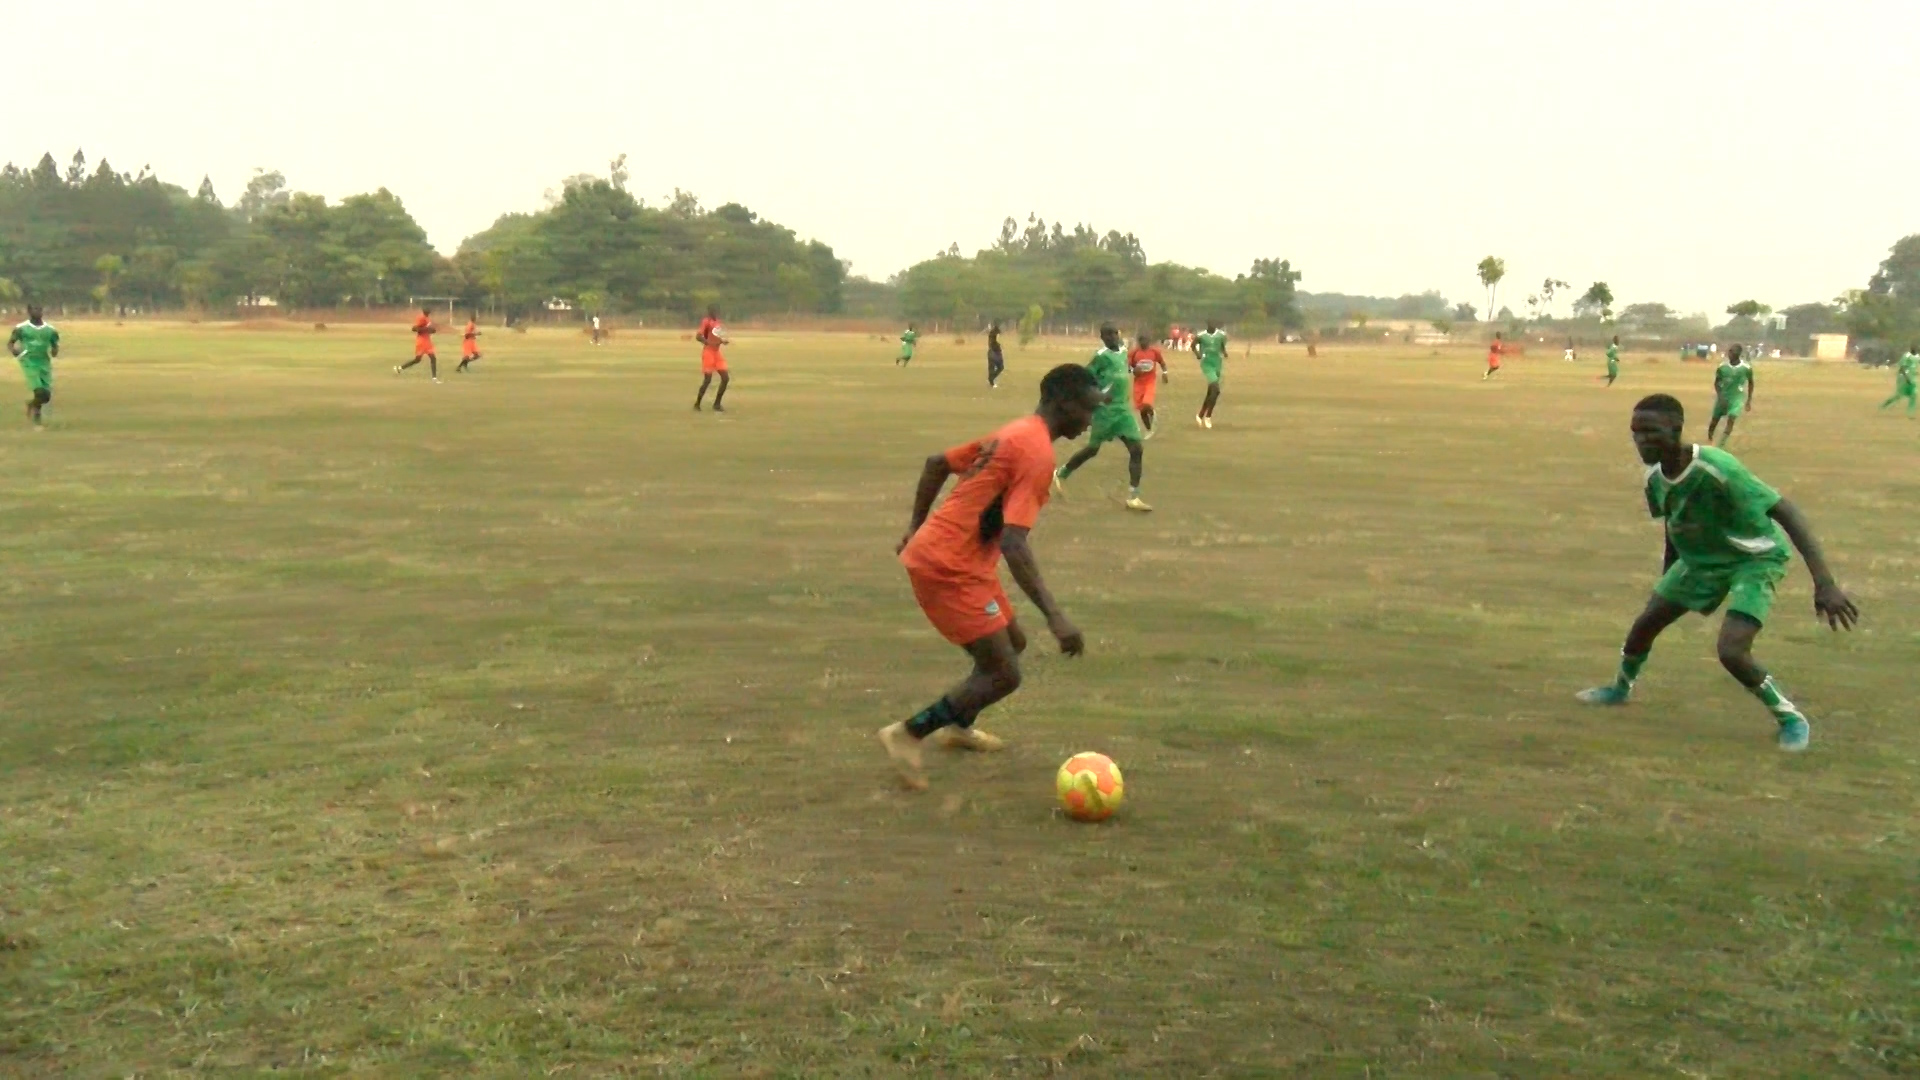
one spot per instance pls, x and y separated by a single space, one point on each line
436 302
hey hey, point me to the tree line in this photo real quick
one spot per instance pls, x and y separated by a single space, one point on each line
1042 277
106 240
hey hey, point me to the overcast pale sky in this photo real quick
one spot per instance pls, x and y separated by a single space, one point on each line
1696 152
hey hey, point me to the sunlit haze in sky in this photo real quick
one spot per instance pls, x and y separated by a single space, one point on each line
1696 153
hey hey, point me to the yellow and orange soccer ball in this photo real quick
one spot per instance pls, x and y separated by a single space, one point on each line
1090 787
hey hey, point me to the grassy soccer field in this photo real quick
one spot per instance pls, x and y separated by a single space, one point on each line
523 725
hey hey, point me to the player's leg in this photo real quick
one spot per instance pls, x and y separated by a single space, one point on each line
1660 613
725 380
995 674
1212 399
1732 415
433 366
1136 464
705 381
1146 418
1086 454
1713 422
1749 601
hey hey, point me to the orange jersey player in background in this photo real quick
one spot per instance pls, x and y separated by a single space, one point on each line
1149 369
952 556
711 336
423 331
469 344
1494 352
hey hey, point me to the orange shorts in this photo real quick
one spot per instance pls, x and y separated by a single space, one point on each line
711 363
469 348
963 611
1145 391
422 346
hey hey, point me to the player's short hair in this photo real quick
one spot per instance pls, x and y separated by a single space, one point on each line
1108 328
1066 382
1664 404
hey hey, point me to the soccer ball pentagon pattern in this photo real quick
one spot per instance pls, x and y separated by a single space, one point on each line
1090 787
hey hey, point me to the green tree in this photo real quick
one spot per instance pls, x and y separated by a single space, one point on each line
1491 270
1748 309
1030 323
108 267
1597 300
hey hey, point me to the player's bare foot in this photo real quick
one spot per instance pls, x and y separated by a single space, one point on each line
969 739
904 749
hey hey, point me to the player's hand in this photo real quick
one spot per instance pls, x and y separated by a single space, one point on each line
1071 641
1834 606
1165 378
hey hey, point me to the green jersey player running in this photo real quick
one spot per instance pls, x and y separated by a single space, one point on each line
1733 392
1211 348
1613 360
1114 419
906 346
1906 376
1727 536
35 344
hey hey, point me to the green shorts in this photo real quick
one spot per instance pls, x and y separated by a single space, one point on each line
1212 369
1730 406
1903 388
1110 424
906 353
1745 587
39 374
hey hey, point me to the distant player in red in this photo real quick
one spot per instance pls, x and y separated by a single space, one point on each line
423 331
952 556
1494 352
469 344
1149 371
711 336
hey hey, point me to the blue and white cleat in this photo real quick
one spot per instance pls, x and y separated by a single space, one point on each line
1610 694
1795 734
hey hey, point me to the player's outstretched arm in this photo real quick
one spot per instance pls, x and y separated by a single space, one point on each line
1829 602
13 342
933 477
1026 572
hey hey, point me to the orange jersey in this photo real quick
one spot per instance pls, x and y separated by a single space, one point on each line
709 336
1493 355
472 331
1011 469
423 328
470 341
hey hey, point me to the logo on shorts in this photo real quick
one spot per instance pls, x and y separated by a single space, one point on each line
993 607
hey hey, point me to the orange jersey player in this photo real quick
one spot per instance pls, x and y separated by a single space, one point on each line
423 331
469 344
952 556
711 337
1494 352
1149 369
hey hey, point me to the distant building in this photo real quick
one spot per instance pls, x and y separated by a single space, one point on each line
1829 346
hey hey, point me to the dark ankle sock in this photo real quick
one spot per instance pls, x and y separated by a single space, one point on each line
932 718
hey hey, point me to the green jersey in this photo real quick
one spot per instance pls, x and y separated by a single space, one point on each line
1732 381
907 339
1613 356
1716 511
36 343
1213 346
1109 367
1909 368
